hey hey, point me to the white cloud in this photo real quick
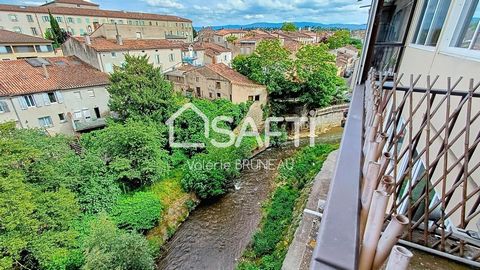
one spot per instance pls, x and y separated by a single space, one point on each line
253 16
164 3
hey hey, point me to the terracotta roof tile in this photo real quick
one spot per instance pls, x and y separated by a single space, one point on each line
231 75
225 32
101 44
92 12
215 47
21 78
8 37
73 2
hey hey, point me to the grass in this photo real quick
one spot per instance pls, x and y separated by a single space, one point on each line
270 243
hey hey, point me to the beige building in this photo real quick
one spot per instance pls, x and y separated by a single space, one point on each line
80 17
247 44
104 54
18 46
193 54
215 54
346 58
216 81
296 36
58 94
220 37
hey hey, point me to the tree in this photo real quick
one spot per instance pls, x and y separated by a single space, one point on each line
55 33
133 152
195 33
339 39
288 27
232 38
317 73
139 90
107 247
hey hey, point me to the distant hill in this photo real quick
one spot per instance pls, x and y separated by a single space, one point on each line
298 24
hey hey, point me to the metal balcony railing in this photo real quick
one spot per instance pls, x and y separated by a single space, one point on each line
429 129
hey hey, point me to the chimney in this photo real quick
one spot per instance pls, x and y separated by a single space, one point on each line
88 40
119 40
45 71
119 37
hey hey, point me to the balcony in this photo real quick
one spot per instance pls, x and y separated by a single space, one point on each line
415 143
85 125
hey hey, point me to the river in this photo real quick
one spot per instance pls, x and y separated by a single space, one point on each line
218 231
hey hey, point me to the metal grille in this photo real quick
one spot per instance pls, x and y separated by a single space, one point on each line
430 130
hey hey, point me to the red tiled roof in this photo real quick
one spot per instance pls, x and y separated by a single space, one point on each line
73 2
231 75
215 47
20 78
8 37
101 44
225 32
92 12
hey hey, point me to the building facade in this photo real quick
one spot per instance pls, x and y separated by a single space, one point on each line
216 81
216 54
18 46
80 17
60 95
104 53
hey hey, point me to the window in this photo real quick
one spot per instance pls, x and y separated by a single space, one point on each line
431 22
97 112
29 101
17 29
210 95
44 48
34 31
218 85
77 95
138 35
70 20
79 20
171 57
13 17
59 19
91 93
45 18
45 121
120 21
468 32
257 98
52 97
5 49
112 21
61 117
219 95
197 79
3 107
29 18
157 59
199 92
87 20
108 67
23 49
77 115
114 54
82 32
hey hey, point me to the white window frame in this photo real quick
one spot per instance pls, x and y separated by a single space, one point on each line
40 120
458 14
13 17
421 21
30 101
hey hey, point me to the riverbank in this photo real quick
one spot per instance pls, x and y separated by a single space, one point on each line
281 213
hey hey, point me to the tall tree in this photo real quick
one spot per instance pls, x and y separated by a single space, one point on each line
339 39
55 33
288 27
139 90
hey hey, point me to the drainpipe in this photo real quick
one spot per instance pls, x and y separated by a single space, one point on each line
16 112
399 258
389 238
373 229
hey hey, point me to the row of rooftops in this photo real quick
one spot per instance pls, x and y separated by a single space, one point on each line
37 75
215 72
77 11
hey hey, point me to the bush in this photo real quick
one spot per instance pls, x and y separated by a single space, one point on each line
138 212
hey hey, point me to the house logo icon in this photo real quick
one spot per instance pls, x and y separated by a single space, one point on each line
171 128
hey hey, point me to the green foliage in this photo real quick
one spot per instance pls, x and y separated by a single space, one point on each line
288 27
268 249
232 38
139 90
339 39
132 151
309 80
108 247
138 212
55 33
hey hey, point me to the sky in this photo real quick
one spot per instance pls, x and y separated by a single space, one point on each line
223 12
